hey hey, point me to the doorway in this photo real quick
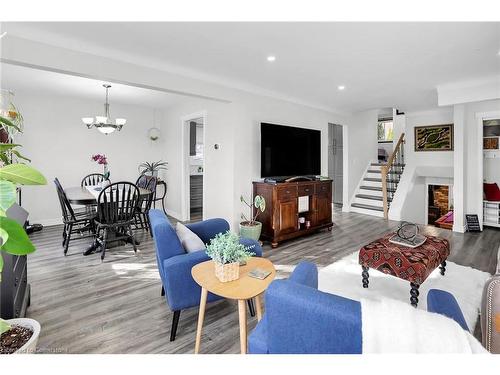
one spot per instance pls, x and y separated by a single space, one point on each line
335 161
440 206
194 162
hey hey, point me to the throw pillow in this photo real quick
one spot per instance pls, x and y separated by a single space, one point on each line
492 192
189 240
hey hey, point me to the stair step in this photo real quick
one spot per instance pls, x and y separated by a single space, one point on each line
367 207
379 171
372 197
376 188
373 179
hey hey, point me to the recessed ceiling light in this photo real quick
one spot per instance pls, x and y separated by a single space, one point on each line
341 87
271 58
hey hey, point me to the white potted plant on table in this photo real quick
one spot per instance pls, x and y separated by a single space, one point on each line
227 252
250 227
16 335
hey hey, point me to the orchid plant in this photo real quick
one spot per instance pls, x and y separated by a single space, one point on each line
101 160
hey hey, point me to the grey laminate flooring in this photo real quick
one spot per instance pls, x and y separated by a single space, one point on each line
85 306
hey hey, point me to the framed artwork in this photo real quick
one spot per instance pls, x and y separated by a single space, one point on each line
434 138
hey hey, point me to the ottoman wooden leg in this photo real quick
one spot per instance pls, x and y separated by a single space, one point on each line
365 276
414 294
442 267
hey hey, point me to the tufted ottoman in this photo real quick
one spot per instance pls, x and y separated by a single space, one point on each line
413 265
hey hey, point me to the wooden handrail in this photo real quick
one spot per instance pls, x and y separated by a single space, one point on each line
393 155
384 169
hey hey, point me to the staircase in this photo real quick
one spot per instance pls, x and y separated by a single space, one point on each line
374 195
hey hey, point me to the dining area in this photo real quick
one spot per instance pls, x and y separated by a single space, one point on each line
108 213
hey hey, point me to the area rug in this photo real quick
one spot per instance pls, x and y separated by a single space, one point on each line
343 278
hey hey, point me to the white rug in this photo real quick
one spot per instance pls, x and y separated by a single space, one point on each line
343 278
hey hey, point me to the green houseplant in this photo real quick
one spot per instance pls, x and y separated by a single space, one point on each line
227 252
13 237
152 168
251 228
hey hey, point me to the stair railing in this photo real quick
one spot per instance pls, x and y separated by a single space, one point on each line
391 173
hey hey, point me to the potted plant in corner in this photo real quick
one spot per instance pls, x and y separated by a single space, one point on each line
16 335
252 228
227 252
151 169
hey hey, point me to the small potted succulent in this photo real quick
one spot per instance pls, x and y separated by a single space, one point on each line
251 228
227 252
152 168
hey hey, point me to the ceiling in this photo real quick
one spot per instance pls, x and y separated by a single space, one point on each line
17 78
380 64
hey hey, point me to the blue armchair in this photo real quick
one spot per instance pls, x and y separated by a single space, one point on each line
299 319
174 264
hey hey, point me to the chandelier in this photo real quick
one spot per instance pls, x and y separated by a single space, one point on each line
105 124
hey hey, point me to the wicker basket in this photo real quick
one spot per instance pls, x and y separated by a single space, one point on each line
227 272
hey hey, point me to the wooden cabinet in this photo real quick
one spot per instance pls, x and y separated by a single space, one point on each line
280 220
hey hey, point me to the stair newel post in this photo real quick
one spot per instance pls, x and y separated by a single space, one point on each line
384 170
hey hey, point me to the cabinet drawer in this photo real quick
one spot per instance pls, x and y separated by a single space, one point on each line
287 192
324 188
305 190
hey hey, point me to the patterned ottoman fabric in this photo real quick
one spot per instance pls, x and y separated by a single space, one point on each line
414 265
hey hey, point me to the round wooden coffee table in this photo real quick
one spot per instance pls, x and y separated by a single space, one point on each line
243 289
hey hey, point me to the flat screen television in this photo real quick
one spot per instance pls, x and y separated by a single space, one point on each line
287 151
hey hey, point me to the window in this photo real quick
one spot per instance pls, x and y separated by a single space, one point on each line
385 132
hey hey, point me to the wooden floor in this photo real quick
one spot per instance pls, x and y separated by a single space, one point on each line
85 306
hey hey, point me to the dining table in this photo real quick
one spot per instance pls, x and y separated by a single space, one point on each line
82 195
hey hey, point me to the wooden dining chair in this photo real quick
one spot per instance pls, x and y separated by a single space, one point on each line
93 179
141 219
116 208
75 222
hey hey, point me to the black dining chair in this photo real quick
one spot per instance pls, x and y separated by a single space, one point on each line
116 208
141 219
75 222
93 179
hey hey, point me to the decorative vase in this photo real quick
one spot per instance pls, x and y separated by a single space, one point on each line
227 272
30 346
251 231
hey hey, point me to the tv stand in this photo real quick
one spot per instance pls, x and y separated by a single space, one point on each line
280 220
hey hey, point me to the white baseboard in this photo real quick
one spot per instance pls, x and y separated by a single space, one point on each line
174 214
459 228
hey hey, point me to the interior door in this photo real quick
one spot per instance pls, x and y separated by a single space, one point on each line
335 161
288 211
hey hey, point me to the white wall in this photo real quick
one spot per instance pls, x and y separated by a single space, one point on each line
60 145
422 167
491 168
230 170
362 149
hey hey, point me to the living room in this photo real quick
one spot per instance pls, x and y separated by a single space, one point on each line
249 156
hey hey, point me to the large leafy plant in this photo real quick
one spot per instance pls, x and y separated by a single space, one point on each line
226 248
13 237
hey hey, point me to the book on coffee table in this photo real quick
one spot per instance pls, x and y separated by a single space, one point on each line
259 273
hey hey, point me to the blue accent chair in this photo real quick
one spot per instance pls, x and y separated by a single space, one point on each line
174 264
441 302
299 319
